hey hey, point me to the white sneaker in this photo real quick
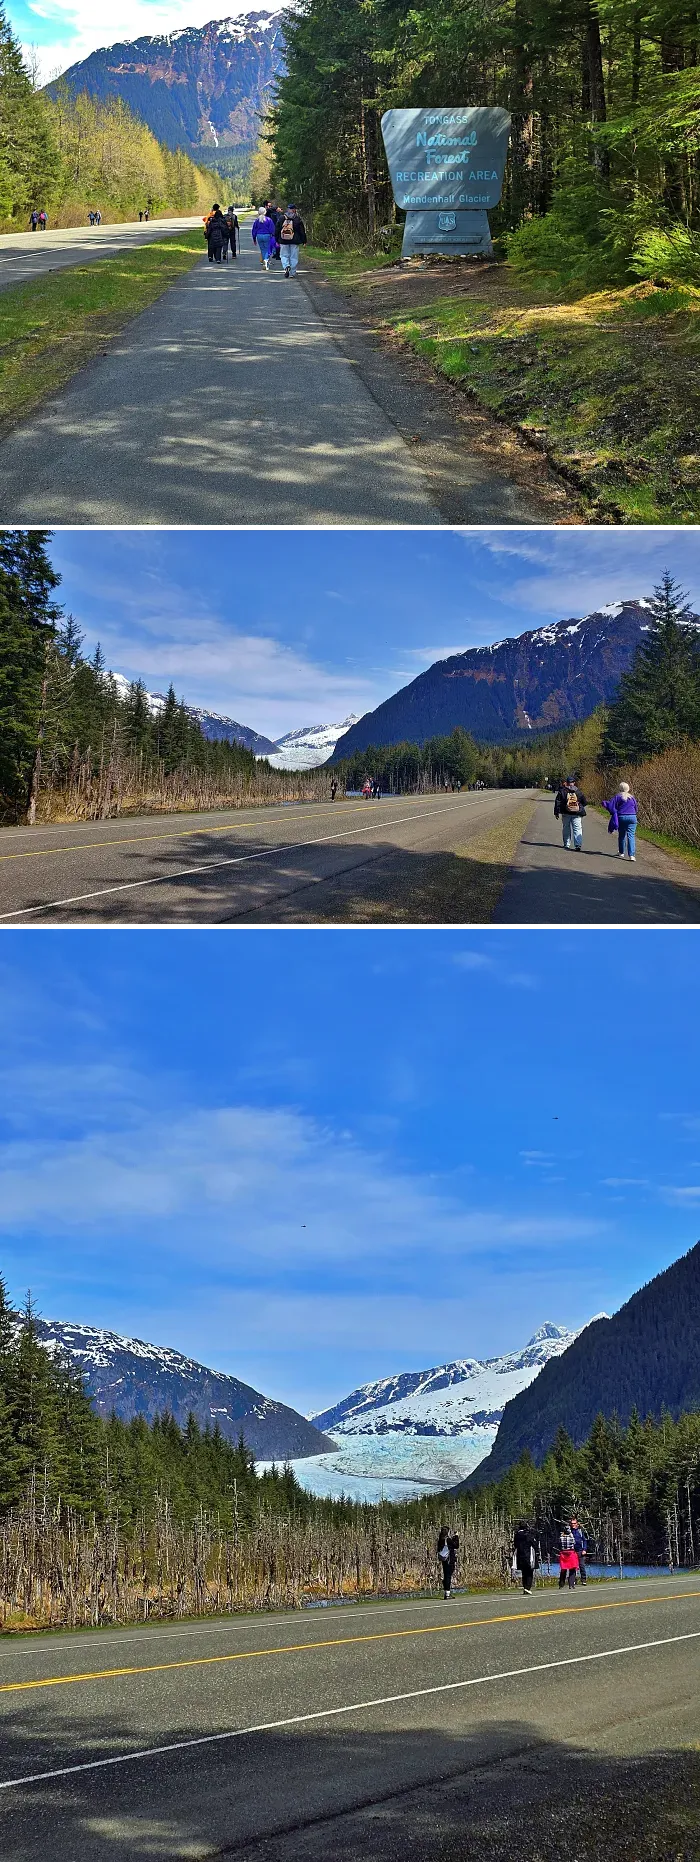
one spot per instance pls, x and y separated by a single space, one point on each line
620 856
633 856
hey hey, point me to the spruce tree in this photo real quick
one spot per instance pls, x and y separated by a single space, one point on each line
29 616
658 703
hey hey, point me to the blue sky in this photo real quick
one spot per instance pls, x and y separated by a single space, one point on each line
368 609
311 1158
60 33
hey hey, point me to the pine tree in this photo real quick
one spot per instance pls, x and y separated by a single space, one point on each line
658 703
29 618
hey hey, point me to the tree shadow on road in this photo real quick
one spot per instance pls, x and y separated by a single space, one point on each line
503 1790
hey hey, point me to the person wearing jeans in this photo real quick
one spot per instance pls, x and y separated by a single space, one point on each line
263 236
291 234
570 807
623 813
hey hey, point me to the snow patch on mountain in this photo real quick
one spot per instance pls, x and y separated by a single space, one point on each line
310 746
422 1431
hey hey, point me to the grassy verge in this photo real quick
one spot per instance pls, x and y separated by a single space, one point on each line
679 848
461 887
51 326
608 385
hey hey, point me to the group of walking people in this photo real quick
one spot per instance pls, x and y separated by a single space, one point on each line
571 1552
95 217
38 220
278 236
222 233
570 809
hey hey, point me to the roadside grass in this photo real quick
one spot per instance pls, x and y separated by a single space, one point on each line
346 267
460 887
679 848
608 386
49 328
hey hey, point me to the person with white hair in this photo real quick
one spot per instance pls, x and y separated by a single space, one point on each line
624 813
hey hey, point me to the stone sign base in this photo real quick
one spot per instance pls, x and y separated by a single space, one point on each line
460 232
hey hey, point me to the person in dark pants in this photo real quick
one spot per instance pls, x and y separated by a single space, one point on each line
447 1548
334 789
568 1559
526 1552
234 232
581 1544
217 233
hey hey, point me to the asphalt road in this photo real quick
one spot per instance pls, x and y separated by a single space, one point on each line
233 400
257 864
548 885
32 255
211 1739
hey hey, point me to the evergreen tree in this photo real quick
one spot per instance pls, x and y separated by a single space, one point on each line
29 158
29 618
658 703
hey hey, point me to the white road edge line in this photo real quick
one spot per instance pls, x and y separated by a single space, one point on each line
209 866
331 1713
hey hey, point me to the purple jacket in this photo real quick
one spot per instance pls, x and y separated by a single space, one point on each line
621 808
264 226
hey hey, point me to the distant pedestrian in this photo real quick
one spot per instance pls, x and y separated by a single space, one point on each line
263 236
581 1545
234 231
526 1556
34 219
147 214
570 805
447 1549
624 814
367 787
140 213
334 789
276 215
43 221
568 1559
292 235
217 233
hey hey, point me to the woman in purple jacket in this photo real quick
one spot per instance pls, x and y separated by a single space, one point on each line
623 814
263 232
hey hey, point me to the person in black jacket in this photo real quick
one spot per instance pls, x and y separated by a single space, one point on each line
447 1549
217 234
291 234
570 806
233 232
526 1552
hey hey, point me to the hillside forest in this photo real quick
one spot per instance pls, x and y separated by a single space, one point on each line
102 1520
70 154
604 174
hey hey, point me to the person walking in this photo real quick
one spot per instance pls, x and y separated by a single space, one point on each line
34 219
334 789
447 1549
216 232
526 1553
234 231
276 215
624 814
570 805
263 236
581 1545
568 1559
43 221
292 235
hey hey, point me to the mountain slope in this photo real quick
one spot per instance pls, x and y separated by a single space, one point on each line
647 1356
309 747
137 1379
201 89
541 680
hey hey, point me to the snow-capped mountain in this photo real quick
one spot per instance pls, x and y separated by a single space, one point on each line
137 1379
423 1430
547 679
309 747
213 724
202 88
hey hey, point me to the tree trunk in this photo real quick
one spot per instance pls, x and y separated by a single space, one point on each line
36 770
593 87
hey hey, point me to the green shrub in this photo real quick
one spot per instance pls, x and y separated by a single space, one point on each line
585 241
668 256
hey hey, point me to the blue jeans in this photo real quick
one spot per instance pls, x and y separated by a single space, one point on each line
289 255
626 834
263 243
572 830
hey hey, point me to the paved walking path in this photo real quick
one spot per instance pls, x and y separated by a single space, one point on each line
234 400
550 886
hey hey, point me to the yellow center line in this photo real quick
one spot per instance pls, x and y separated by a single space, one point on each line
134 840
341 1642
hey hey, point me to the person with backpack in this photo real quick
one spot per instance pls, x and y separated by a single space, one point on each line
447 1549
276 215
568 1559
570 805
526 1553
624 814
34 219
263 236
234 231
581 1545
43 220
292 235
